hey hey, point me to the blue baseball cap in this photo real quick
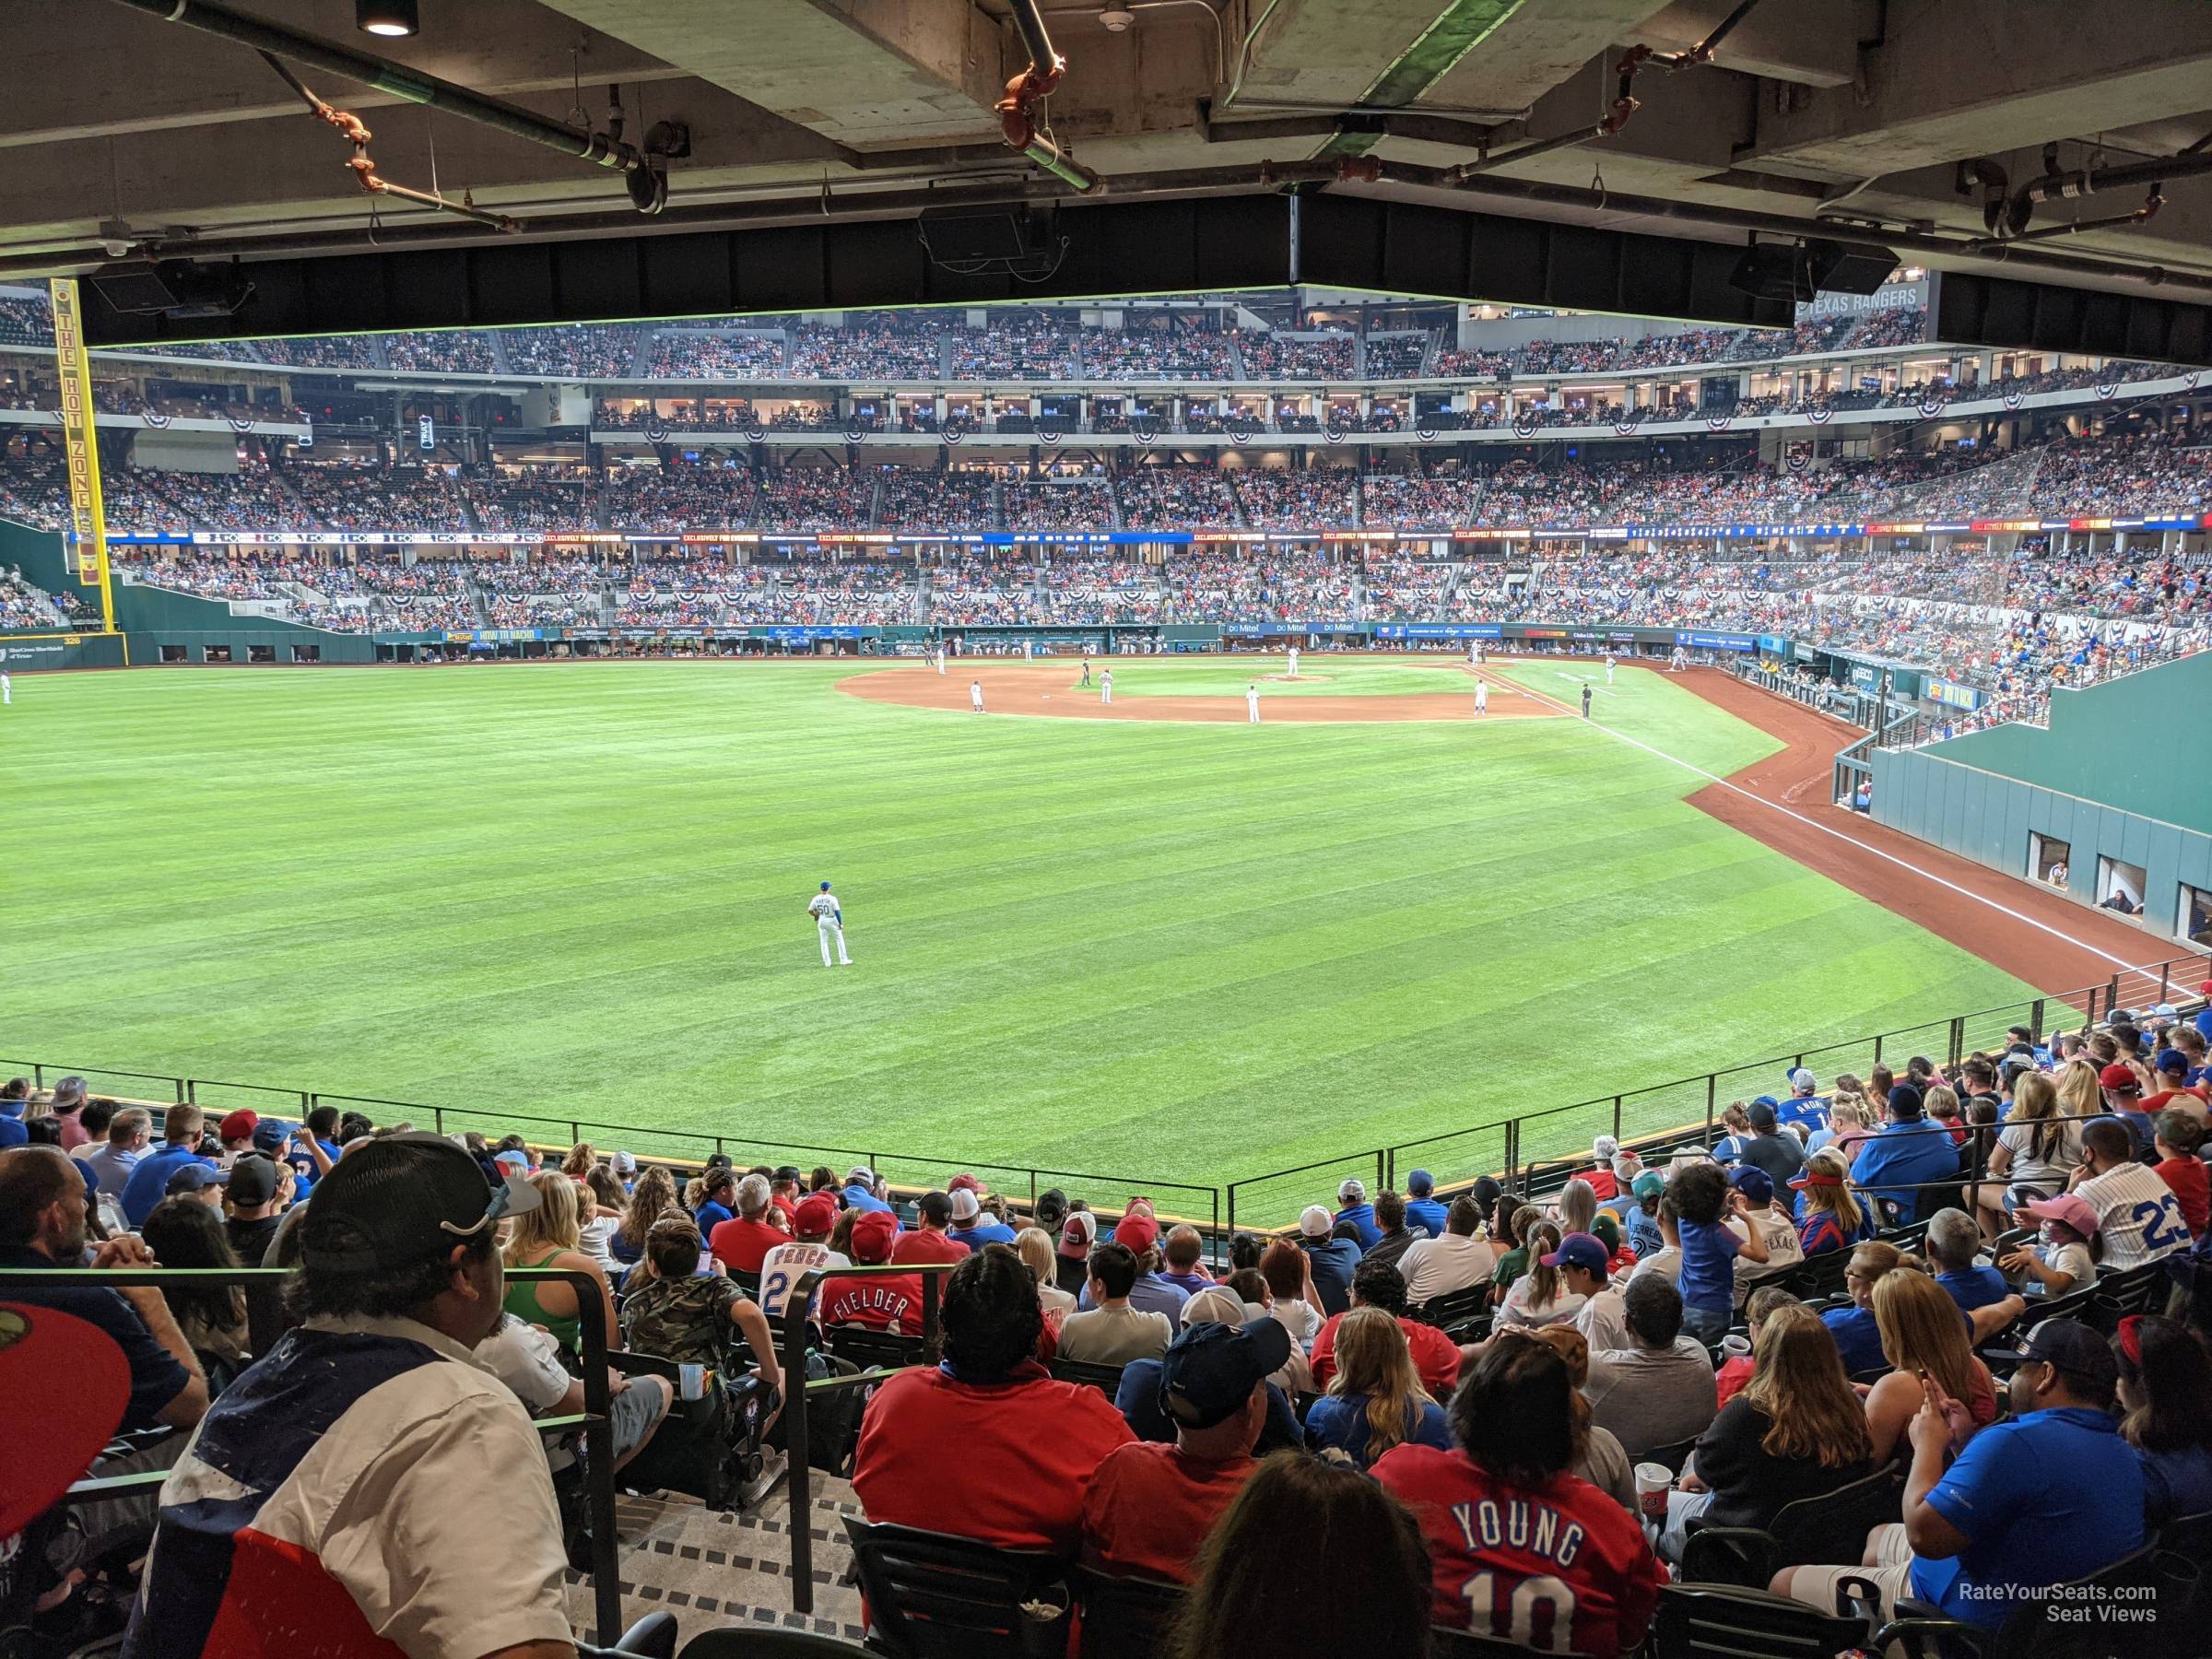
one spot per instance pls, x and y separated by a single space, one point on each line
1753 1183
194 1178
1421 1183
1209 1370
2174 1061
269 1136
825 887
1581 1250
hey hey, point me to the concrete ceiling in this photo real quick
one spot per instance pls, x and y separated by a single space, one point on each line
1858 107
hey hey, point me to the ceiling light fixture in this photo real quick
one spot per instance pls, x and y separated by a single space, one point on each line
389 17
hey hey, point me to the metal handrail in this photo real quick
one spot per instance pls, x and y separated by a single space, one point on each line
598 1428
797 1317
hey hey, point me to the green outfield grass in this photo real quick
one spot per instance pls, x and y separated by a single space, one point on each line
1173 952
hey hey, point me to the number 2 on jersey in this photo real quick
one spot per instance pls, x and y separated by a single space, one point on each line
1538 1613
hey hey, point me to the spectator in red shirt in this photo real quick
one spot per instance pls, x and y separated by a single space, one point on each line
740 1243
987 1445
1379 1285
929 1243
1569 1555
1150 1506
1604 1184
891 1303
2179 1136
2174 1087
784 1193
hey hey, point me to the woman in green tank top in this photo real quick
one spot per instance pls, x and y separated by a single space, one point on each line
548 1236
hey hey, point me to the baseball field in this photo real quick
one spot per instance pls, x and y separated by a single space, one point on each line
1152 948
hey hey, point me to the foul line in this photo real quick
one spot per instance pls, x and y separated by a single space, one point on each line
1901 863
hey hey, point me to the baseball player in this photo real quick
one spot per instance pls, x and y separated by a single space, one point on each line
1482 696
7 692
1086 680
1609 667
940 656
1585 699
1293 662
975 695
1474 653
1252 703
1106 688
1028 651
829 922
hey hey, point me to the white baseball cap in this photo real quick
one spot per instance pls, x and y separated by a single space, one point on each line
1352 1191
964 1207
860 1172
1801 1078
1315 1223
624 1164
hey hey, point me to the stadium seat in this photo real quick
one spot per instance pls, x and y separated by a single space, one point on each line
652 1636
1920 1632
1673 1456
1125 1617
1712 1621
1812 1531
2137 1290
746 1641
931 1595
864 1347
1106 1379
1445 1643
1454 1306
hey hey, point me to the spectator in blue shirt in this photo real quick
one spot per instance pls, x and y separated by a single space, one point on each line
860 1190
1359 1213
1331 1253
2166 1395
148 1184
13 1101
1805 1107
1858 1337
1424 1215
1704 1201
2051 1496
716 1189
112 1161
970 1226
1952 1244
1905 1155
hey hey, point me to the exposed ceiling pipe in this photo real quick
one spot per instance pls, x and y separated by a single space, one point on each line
2156 200
1421 126
1017 116
332 57
1625 105
1702 51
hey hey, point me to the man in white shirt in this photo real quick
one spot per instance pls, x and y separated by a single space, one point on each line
366 1424
783 1265
2137 1216
1453 1261
1252 703
829 924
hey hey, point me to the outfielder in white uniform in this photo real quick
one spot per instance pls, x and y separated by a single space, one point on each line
1482 696
829 922
1609 667
940 659
7 692
1252 703
1293 662
1474 654
975 695
1106 686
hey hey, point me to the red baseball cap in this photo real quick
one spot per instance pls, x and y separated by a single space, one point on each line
963 1180
2119 1079
82 1383
872 1236
238 1125
1138 1232
815 1216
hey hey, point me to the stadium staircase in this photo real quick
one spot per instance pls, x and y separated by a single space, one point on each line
497 339
713 1566
1236 372
641 355
875 493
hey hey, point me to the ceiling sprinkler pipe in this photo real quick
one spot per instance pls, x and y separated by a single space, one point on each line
1016 121
334 58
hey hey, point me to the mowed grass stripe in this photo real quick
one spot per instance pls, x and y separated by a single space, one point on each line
1160 951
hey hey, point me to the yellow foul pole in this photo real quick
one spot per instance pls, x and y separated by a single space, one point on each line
87 517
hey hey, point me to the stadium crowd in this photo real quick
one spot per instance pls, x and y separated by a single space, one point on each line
1908 1338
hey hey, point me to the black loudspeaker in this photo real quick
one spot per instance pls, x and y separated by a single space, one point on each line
1799 271
972 240
175 289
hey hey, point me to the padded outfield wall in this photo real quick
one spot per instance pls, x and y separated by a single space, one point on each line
2113 781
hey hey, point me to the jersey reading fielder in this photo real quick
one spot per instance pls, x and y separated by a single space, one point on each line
829 923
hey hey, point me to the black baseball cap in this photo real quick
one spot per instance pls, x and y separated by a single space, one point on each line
2071 1347
253 1181
1905 1100
1208 1371
935 1206
402 1200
